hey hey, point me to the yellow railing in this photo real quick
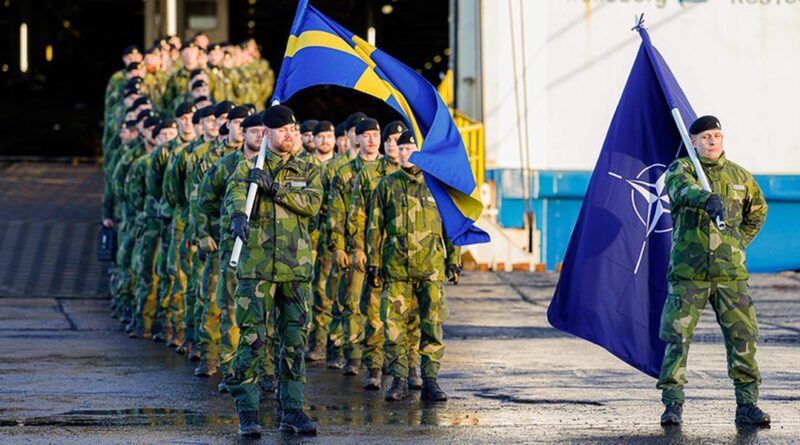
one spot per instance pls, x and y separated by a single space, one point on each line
472 134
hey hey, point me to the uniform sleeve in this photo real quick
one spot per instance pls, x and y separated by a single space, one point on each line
356 215
453 252
754 213
238 189
375 225
199 219
169 188
683 187
305 201
208 200
336 214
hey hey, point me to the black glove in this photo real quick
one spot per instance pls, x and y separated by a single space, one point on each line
453 273
263 181
716 208
374 277
239 226
202 255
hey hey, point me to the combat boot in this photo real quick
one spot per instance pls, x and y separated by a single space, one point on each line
373 380
176 340
184 348
169 335
414 381
398 391
125 317
750 414
351 368
248 424
159 331
296 421
431 391
223 385
335 363
207 368
139 332
316 354
194 354
673 414
268 384
130 326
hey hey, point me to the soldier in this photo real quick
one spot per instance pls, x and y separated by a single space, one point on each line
117 80
208 235
342 142
307 135
147 232
408 255
708 263
275 268
178 83
368 136
365 182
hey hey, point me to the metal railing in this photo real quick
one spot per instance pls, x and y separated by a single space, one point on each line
472 134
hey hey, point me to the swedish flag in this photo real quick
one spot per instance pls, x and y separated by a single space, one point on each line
317 41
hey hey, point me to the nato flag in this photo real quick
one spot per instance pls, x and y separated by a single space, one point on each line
613 282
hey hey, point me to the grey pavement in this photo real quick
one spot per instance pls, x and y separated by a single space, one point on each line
68 374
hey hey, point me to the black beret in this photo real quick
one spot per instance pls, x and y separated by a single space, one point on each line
198 84
240 112
394 127
277 116
200 99
223 130
140 101
705 123
254 120
144 114
368 124
406 137
133 49
341 130
213 46
131 124
205 112
151 50
195 72
166 123
185 108
130 92
189 44
308 125
151 121
323 126
134 82
223 107
134 66
354 119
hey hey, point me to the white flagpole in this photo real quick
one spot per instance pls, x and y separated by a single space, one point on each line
251 199
701 174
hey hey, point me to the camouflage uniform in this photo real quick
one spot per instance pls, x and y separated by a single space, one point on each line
156 207
406 240
709 264
370 301
275 268
350 287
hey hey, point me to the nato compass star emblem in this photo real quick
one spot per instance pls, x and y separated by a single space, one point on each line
650 203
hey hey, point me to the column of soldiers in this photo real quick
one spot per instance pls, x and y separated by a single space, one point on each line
344 253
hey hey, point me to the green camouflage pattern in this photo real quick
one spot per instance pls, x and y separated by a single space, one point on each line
736 316
700 251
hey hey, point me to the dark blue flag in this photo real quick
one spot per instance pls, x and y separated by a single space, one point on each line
613 282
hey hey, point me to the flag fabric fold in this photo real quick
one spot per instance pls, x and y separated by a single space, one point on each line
316 41
613 282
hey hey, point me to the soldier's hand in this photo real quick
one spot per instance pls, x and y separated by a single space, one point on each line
715 208
342 259
108 223
208 244
453 273
263 181
239 226
360 260
374 277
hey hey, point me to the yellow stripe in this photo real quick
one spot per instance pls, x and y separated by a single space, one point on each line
322 39
470 206
370 83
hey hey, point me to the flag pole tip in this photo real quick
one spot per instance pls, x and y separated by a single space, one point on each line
638 22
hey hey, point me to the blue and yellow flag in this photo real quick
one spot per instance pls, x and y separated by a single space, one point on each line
316 41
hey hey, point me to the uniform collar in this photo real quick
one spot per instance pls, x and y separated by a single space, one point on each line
719 162
414 173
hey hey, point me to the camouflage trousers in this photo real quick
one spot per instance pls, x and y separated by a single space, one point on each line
226 291
208 314
737 319
323 319
164 288
329 290
352 321
175 270
191 311
123 277
255 300
374 337
397 308
144 256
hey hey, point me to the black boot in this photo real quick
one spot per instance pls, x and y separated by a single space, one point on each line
207 368
296 421
373 380
351 368
159 331
248 424
317 353
194 353
673 414
335 363
431 391
750 414
223 384
414 381
398 391
184 348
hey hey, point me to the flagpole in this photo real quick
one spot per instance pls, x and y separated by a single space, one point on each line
701 174
251 199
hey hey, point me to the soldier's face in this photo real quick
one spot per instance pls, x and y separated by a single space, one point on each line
308 140
281 139
166 135
343 143
390 149
253 136
235 130
405 153
215 57
200 91
185 123
210 128
351 136
370 142
708 144
324 141
189 54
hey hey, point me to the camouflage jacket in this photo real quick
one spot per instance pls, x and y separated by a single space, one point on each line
405 236
127 213
207 223
315 224
327 174
136 187
211 194
199 149
363 187
700 251
278 247
173 184
341 191
154 204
